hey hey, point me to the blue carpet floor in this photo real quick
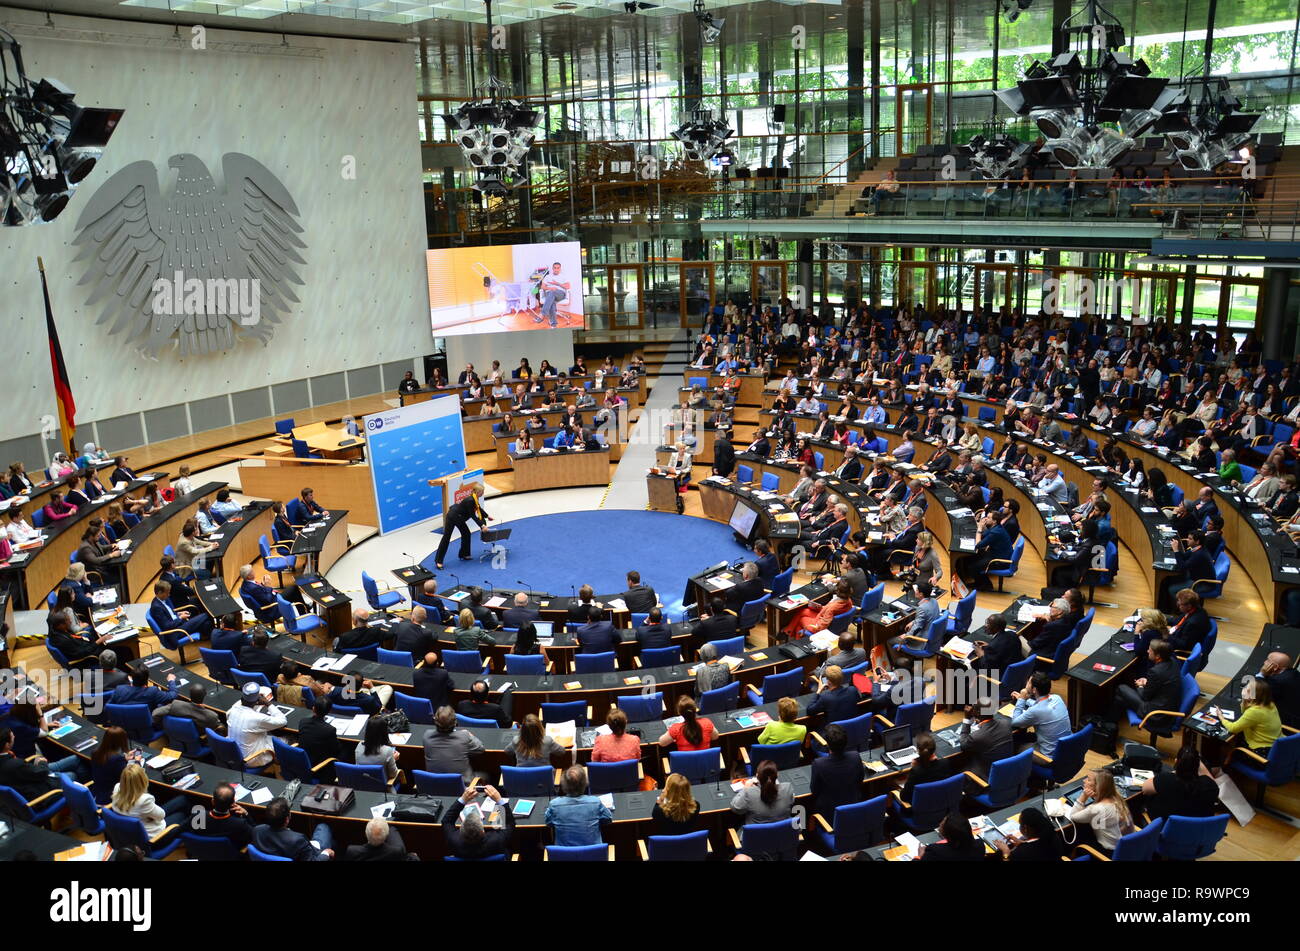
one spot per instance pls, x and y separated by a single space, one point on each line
553 553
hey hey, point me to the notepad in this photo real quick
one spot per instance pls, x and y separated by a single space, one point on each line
261 795
573 685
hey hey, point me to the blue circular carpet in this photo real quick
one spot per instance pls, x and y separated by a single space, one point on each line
555 553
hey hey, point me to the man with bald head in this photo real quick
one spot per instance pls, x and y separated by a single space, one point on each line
1053 484
429 600
1284 680
519 614
411 634
361 636
432 682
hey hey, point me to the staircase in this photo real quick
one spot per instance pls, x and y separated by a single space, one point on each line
841 201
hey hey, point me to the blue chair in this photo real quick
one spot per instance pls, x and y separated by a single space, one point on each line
603 663
135 718
637 619
1059 662
63 661
699 766
1165 722
700 381
660 656
987 445
417 709
438 784
819 458
96 702
578 853
784 755
38 518
872 598
1175 493
379 601
858 730
279 563
184 733
210 848
396 658
776 686
852 827
642 708
372 776
1213 587
480 722
917 715
1085 623
751 615
1194 662
1067 761
284 427
839 623
744 474
219 664
1007 783
245 676
691 847
730 646
575 710
499 857
1279 768
174 638
1010 567
257 855
295 624
720 699
294 762
623 776
1186 839
770 482
960 615
370 652
302 450
1139 846
1247 473
464 662
781 583
226 753
930 803
35 811
923 649
527 664
85 811
1013 678
124 831
778 839
527 781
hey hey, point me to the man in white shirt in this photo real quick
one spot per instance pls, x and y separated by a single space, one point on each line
250 722
553 291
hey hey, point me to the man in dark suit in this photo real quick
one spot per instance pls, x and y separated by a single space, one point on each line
473 840
230 635
182 595
996 648
361 635
992 544
1057 629
580 610
748 588
596 636
985 739
717 624
638 597
769 566
226 819
724 456
139 690
276 838
259 596
168 617
111 676
383 844
654 633
258 657
72 645
837 699
1192 625
850 470
480 706
432 682
29 778
836 777
121 473
1160 689
318 737
1194 563
457 518
1284 680
486 617
411 634
520 613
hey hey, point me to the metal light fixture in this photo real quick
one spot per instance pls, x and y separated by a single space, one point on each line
48 143
710 26
495 132
702 136
995 154
1012 9
1207 127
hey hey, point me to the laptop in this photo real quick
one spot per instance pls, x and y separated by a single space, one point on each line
544 628
898 746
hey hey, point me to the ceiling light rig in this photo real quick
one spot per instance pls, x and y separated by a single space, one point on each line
1207 127
710 26
48 143
495 132
995 153
702 136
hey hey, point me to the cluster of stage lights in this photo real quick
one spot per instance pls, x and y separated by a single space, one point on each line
1092 103
495 134
48 144
702 136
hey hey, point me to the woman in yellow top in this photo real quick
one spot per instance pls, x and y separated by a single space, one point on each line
784 730
1259 723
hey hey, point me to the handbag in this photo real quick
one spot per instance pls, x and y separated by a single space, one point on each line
395 721
329 800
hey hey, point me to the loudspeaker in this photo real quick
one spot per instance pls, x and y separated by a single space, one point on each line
778 113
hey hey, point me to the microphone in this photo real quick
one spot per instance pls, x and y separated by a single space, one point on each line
527 587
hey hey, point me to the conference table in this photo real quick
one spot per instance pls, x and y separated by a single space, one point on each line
554 469
138 566
481 431
321 543
237 541
749 393
635 395
773 519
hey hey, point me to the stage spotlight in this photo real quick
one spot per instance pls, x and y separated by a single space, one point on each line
1012 9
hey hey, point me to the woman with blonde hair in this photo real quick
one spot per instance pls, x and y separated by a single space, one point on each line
131 797
784 729
1101 813
675 811
1260 724
468 635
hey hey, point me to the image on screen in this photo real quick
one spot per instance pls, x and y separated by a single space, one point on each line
742 519
505 287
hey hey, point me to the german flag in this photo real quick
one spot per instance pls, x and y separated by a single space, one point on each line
62 385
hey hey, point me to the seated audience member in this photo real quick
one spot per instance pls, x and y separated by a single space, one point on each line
276 838
480 706
1259 724
1035 842
466 835
958 842
763 797
676 811
576 817
448 749
1187 790
617 745
131 797
837 776
1101 817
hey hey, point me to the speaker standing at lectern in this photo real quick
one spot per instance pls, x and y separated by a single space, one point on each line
458 517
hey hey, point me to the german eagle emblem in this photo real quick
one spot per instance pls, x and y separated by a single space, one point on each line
203 269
